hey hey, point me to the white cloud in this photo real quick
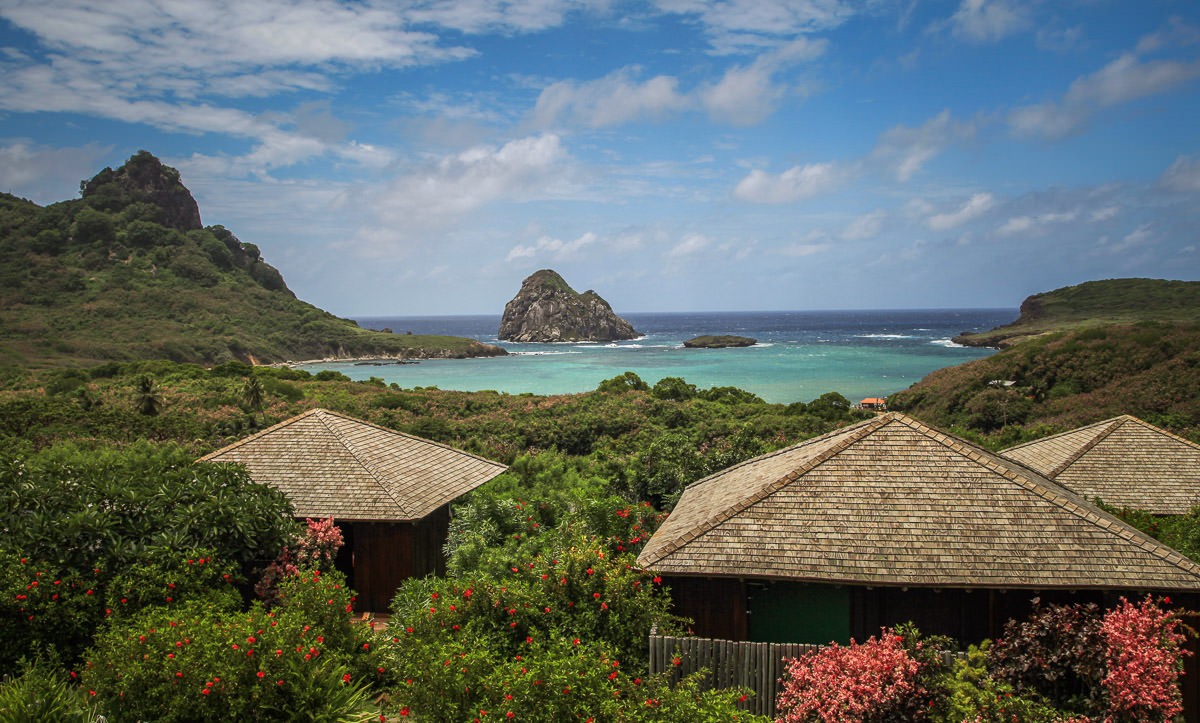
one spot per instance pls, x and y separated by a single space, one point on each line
1035 224
746 94
976 206
1104 214
986 21
546 245
44 174
795 184
1183 174
864 227
800 250
740 26
1127 78
906 150
690 244
457 184
617 98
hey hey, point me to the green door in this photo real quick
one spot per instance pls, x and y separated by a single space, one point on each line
795 612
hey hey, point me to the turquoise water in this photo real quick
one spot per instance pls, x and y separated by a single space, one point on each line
800 355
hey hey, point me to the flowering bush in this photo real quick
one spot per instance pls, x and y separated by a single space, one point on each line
41 693
859 682
313 546
1144 662
304 660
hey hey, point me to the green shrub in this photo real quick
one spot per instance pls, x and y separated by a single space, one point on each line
303 660
41 695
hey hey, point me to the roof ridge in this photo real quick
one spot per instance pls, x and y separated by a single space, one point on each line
1039 440
376 474
1162 431
1117 422
262 432
389 430
1074 503
865 428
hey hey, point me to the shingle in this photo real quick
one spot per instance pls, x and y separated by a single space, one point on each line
891 501
329 464
1124 461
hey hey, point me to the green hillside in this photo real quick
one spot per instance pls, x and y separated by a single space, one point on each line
128 272
1096 303
1061 380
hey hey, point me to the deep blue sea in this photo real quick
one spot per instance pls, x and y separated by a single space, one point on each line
799 355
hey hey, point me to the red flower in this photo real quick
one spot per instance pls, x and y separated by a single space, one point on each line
261 674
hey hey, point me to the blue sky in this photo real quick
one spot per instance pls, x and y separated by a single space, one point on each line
423 157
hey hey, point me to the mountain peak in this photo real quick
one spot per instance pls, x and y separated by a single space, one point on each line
144 179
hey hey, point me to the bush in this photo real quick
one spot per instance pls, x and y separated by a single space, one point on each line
301 661
860 682
42 695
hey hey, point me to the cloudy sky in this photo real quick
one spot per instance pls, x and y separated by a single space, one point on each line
424 156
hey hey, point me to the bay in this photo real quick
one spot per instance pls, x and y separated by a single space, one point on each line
799 355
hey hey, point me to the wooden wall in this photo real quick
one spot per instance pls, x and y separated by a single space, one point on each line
378 556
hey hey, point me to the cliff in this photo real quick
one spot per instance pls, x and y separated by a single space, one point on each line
1094 304
547 309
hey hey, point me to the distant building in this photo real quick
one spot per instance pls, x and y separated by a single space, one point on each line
875 404
1124 461
389 492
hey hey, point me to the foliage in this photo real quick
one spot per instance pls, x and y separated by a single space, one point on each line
1144 662
40 694
311 547
126 273
859 682
1058 653
970 693
1065 380
558 635
301 661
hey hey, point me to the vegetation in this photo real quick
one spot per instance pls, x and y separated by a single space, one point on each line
1096 303
1063 380
718 341
127 272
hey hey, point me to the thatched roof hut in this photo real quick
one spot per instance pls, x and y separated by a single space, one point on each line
877 523
388 491
1124 461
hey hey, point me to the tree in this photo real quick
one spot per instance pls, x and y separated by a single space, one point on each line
149 397
252 393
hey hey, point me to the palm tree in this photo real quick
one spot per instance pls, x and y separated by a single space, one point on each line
149 398
252 393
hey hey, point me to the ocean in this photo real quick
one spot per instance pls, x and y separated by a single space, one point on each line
799 355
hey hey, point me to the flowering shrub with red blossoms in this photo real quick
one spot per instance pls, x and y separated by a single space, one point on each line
301 661
848 684
314 546
1144 663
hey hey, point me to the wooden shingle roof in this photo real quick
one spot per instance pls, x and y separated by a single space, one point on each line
890 501
1124 461
331 465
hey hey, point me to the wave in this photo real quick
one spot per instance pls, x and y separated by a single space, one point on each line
884 336
542 353
948 343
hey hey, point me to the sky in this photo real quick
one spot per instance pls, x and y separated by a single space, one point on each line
422 157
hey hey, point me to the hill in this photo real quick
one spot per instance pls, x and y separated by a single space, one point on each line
1059 380
128 271
547 309
1096 303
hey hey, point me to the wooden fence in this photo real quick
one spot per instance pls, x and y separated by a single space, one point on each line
757 666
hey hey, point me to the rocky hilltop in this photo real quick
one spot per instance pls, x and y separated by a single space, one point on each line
1094 304
128 272
547 309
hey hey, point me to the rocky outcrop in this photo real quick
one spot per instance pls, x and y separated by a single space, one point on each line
547 309
144 179
719 341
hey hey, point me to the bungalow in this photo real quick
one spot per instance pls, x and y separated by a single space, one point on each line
875 404
389 492
1124 461
886 521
